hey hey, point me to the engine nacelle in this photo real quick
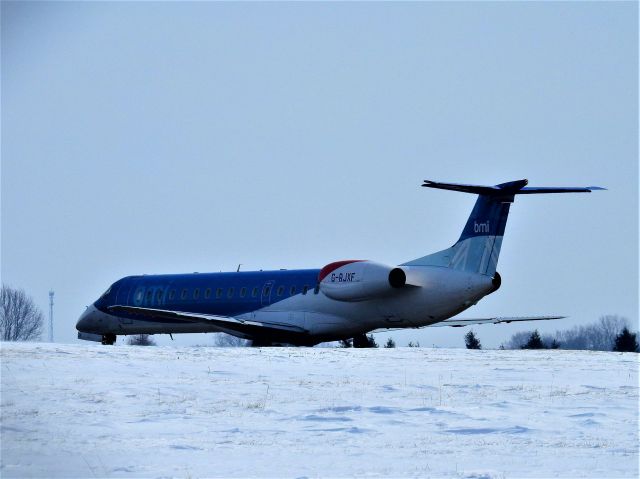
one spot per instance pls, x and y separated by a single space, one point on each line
357 280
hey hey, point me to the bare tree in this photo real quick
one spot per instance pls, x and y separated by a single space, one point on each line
20 318
517 340
224 340
611 325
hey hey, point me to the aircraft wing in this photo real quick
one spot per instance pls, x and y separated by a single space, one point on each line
459 323
252 328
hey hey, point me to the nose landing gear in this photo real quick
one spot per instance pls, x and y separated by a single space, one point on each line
108 339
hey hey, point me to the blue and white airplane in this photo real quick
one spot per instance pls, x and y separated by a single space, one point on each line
344 299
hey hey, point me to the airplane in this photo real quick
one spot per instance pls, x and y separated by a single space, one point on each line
342 300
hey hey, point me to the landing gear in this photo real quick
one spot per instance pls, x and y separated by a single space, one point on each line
108 339
360 341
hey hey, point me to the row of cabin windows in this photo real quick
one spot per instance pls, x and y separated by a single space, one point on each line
266 291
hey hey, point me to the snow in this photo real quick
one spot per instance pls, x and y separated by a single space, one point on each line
125 411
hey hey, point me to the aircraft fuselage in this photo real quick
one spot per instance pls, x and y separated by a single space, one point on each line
287 297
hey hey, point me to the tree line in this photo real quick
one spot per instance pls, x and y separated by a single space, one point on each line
609 333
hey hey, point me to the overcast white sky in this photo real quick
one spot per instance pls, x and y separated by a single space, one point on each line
171 137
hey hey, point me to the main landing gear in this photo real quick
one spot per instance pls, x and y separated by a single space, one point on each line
108 339
360 341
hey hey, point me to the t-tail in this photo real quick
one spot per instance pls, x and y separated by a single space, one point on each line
478 248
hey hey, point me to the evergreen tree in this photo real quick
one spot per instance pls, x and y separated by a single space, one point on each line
390 343
471 341
413 345
364 341
346 343
534 342
626 341
554 344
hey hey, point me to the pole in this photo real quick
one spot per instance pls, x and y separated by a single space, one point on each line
51 293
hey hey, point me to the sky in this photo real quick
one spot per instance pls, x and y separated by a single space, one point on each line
179 137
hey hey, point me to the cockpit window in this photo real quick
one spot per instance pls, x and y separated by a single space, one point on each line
106 292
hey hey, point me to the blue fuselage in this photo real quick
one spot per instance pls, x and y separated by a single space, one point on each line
224 294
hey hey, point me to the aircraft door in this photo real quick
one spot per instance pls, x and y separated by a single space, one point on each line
265 295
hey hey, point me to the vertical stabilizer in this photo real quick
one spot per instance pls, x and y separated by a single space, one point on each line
478 248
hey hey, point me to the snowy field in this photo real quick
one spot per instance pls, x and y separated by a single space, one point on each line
124 411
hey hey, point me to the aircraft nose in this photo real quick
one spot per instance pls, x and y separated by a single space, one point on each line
86 321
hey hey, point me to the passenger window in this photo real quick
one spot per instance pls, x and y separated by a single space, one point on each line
159 296
219 293
207 293
196 293
139 296
243 292
292 291
254 293
172 294
230 293
183 295
280 290
266 291
305 288
149 296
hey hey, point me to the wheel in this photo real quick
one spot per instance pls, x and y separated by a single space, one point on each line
108 339
360 341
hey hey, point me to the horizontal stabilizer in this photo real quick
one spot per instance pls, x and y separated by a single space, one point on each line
528 190
518 187
459 323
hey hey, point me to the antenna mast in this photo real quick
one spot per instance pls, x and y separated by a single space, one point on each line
51 293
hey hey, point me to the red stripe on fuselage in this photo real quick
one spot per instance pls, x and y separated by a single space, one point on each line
333 266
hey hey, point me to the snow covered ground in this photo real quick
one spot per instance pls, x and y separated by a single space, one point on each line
124 411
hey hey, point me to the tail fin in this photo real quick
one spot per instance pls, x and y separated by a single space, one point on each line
478 247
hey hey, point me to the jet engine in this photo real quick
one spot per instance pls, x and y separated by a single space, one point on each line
357 280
